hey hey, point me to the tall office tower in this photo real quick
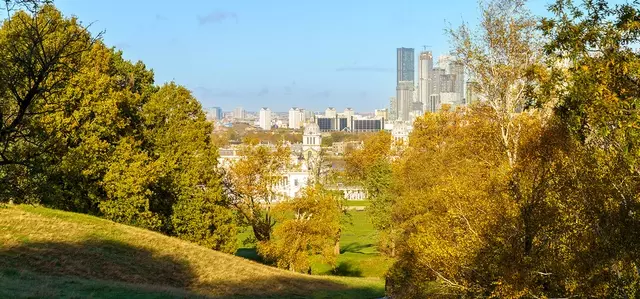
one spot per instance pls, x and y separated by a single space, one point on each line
239 113
217 111
436 75
330 112
265 118
425 67
456 69
404 94
405 65
393 113
348 113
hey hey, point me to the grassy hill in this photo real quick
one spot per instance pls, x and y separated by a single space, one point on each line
51 253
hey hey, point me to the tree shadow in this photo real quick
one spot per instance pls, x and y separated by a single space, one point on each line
347 268
355 248
98 268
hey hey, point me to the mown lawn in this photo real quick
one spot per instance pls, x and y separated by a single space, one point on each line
358 253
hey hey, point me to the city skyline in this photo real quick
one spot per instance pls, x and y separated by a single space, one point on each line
250 54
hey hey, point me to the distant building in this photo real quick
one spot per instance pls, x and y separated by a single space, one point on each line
425 68
471 93
239 113
405 65
400 133
296 118
330 112
404 99
265 118
311 141
341 147
348 114
382 113
368 125
393 105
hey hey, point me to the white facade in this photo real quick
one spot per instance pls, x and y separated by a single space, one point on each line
330 112
404 99
400 133
425 66
296 118
265 118
349 113
311 139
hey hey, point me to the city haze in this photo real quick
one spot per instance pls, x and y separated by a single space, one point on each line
278 53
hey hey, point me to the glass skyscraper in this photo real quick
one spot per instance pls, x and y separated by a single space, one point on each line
406 65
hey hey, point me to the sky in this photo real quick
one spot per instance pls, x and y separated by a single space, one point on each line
277 53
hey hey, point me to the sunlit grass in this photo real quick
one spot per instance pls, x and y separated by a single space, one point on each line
50 253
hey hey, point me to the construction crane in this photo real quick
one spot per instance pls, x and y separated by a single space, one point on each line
424 47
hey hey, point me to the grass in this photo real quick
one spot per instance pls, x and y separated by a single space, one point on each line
358 253
50 253
358 203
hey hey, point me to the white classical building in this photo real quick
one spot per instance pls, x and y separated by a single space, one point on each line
400 133
298 175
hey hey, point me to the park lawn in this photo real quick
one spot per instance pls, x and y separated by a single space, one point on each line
358 253
47 253
357 203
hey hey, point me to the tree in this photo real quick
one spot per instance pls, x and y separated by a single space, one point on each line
250 185
40 51
313 230
500 57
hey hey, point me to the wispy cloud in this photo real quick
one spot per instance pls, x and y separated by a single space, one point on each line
217 17
364 69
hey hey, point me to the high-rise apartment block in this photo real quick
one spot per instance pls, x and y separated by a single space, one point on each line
265 118
239 113
296 118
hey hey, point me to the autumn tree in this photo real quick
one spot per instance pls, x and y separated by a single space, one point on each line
500 56
251 185
309 227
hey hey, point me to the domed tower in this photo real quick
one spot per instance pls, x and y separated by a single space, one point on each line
311 140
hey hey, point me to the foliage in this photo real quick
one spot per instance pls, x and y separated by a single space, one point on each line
250 184
314 230
550 211
87 131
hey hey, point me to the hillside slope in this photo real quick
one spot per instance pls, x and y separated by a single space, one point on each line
51 253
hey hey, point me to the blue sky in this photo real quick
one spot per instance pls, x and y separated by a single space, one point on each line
277 53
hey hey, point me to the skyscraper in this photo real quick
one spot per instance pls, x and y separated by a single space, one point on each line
217 112
239 113
393 113
406 65
425 67
265 118
404 94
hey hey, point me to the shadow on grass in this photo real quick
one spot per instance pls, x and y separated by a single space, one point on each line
250 254
355 248
347 268
97 268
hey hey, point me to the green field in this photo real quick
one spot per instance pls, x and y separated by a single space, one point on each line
48 253
358 254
